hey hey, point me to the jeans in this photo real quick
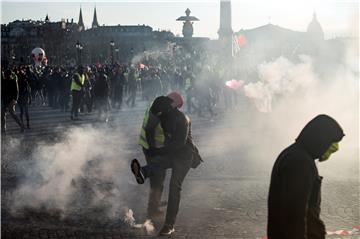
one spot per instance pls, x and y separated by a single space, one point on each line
155 170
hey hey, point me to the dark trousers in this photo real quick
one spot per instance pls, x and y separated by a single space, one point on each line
24 108
156 186
9 107
76 101
118 97
180 165
131 98
64 99
103 106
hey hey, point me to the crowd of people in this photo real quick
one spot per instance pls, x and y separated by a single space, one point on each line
166 138
110 87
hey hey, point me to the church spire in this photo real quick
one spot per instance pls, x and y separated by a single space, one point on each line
47 18
95 23
81 22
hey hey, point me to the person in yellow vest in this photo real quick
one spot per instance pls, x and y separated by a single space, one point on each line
77 83
167 144
152 136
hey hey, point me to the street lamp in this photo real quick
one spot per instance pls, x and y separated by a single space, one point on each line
112 44
13 59
79 48
117 53
131 53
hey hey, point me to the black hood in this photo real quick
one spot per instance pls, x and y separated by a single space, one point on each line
317 136
161 104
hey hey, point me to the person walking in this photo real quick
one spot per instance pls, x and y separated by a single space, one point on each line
64 85
24 98
118 87
77 83
132 87
295 186
9 97
102 93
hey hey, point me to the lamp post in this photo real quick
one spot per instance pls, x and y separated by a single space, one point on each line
112 44
131 53
117 53
79 48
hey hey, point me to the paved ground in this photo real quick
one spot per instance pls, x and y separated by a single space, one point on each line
224 198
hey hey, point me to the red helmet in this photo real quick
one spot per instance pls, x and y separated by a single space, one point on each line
177 99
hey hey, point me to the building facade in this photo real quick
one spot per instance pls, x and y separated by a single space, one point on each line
60 40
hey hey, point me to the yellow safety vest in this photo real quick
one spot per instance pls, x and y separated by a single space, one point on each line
159 133
74 85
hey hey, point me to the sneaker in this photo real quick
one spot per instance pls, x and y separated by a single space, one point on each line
166 230
136 170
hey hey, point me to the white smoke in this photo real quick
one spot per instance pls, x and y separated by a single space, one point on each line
85 171
278 78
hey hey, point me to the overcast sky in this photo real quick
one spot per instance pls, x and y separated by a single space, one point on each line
338 18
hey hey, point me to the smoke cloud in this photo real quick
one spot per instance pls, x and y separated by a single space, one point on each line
85 173
240 147
279 78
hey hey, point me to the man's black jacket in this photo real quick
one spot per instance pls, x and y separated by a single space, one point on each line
9 89
175 124
295 195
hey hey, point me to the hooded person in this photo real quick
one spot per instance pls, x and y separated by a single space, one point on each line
167 144
295 187
9 98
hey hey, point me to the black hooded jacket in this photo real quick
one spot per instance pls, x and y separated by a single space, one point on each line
176 126
295 195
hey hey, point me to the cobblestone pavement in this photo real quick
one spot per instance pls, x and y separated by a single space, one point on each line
224 198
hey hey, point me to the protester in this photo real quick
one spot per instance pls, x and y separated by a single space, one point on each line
64 85
295 195
152 136
119 82
176 154
101 93
24 98
9 97
76 91
132 87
